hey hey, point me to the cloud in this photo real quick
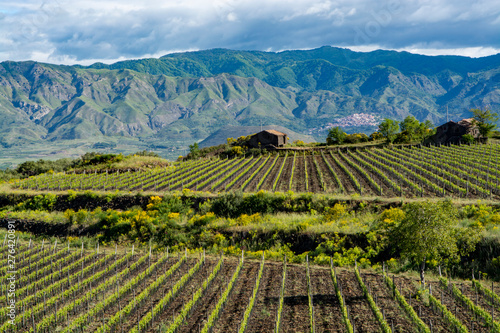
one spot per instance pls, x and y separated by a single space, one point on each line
107 30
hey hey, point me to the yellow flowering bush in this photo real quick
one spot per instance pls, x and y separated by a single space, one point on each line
336 212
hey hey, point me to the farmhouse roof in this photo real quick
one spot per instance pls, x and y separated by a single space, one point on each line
274 132
467 122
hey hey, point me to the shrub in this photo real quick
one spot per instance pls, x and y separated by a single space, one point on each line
468 138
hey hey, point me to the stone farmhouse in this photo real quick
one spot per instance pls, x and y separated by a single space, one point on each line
268 139
451 132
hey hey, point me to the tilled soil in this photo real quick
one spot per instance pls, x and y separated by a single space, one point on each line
327 314
234 309
266 306
145 307
330 182
267 185
127 297
344 178
393 313
221 186
252 186
462 313
284 181
367 188
314 183
295 316
361 314
478 298
299 175
198 317
172 309
243 179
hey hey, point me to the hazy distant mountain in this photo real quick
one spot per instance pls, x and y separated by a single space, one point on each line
185 97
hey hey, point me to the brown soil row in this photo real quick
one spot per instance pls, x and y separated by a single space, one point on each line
267 185
460 311
252 186
266 306
202 310
142 310
299 175
295 316
330 182
82 291
327 314
244 178
386 190
344 178
393 313
284 181
129 296
222 186
366 187
175 306
361 315
235 307
314 183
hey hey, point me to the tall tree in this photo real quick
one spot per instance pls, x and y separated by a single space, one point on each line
428 232
389 128
410 125
485 120
336 136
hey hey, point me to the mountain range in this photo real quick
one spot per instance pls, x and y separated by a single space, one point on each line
168 103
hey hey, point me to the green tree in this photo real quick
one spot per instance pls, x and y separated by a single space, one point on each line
410 125
194 150
389 129
485 120
428 232
336 136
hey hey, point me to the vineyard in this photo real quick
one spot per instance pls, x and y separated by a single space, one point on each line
63 289
446 171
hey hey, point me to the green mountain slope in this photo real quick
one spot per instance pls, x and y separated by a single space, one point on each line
167 103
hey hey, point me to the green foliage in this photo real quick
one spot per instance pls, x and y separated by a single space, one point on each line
32 168
336 136
468 138
194 150
376 136
388 128
95 158
43 202
485 121
356 138
414 131
146 153
427 231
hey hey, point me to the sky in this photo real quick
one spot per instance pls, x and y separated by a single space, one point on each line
88 31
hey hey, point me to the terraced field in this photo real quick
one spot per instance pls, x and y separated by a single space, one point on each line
61 289
456 171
